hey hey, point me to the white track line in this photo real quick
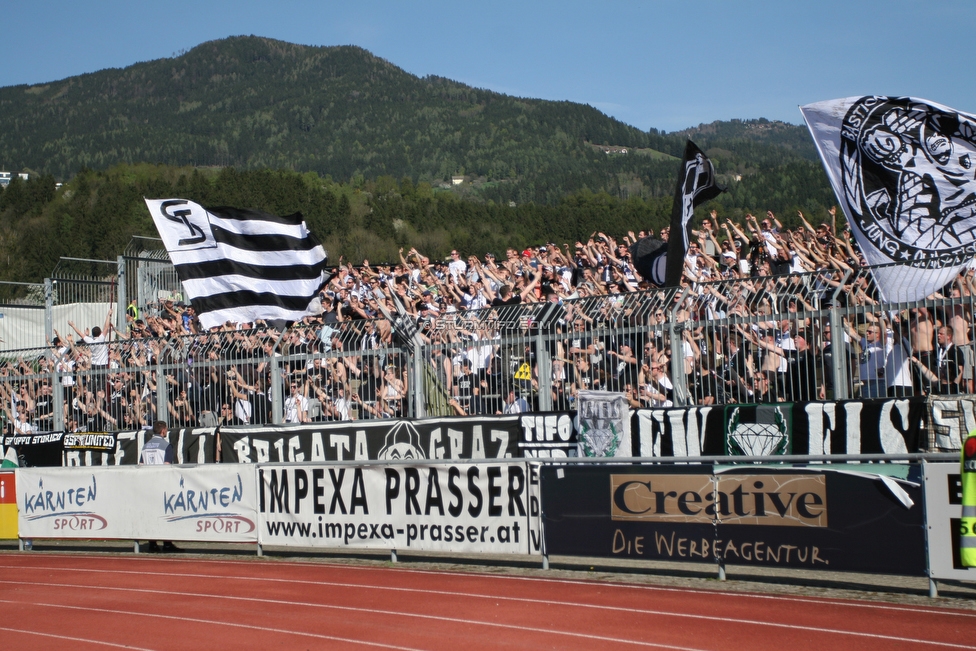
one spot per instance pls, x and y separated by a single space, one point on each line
829 602
426 591
591 583
454 620
660 613
69 638
182 618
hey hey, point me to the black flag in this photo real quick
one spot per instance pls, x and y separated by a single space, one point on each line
696 185
650 258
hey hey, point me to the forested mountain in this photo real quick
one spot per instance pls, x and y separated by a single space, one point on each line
255 103
363 149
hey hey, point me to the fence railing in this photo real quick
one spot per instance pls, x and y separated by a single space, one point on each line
796 338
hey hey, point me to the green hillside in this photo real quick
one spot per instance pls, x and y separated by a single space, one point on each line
255 103
363 149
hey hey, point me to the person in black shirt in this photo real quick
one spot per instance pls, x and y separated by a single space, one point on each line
835 350
228 417
117 398
464 384
736 371
942 375
44 408
801 369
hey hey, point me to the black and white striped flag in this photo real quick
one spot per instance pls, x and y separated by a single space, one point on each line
241 265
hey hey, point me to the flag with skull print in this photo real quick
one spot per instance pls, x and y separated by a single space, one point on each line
904 171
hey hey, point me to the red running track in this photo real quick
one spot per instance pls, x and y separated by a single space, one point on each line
52 601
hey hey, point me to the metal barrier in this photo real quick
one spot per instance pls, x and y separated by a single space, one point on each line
794 338
536 507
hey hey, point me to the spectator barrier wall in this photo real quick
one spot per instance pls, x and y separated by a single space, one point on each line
883 513
489 507
882 426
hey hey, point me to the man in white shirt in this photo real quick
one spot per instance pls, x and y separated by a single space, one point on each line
457 267
296 405
98 345
660 390
157 451
341 404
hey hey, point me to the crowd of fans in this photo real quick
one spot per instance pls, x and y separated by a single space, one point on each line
529 329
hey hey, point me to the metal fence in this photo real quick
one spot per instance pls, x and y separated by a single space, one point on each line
795 338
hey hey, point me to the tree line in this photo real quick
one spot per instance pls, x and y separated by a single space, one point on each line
96 213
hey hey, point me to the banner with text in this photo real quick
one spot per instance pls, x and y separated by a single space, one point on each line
815 428
461 508
604 423
796 517
190 445
210 503
36 449
951 421
489 437
943 515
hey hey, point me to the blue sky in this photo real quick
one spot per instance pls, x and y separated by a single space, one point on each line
662 64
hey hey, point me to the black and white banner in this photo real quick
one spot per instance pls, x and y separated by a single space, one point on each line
604 422
696 185
190 445
548 434
951 421
35 450
814 428
460 508
902 169
241 265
